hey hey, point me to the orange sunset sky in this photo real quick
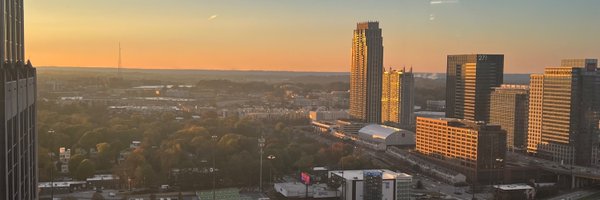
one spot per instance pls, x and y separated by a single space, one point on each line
305 35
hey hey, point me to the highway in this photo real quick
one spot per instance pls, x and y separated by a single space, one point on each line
574 195
579 171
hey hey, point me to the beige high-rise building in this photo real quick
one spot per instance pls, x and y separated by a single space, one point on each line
397 100
534 127
366 73
509 109
474 148
564 110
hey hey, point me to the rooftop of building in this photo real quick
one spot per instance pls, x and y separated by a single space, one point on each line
319 168
436 101
513 187
368 25
569 70
60 184
379 131
463 123
572 60
430 113
298 186
359 174
323 123
398 71
349 122
325 110
513 86
101 177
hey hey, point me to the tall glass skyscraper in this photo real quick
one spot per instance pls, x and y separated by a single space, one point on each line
18 143
470 80
366 73
398 98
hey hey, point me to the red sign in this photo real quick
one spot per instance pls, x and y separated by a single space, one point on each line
305 178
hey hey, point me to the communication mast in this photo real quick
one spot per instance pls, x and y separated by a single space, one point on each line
119 65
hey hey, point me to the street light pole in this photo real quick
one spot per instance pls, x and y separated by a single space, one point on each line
261 144
572 161
271 158
51 132
214 169
343 179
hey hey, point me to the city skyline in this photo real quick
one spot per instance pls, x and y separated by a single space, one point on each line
310 100
227 36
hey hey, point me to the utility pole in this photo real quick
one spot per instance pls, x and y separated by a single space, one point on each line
51 133
271 158
572 162
213 170
119 65
344 179
261 144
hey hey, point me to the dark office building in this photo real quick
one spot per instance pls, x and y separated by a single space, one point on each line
470 80
509 109
18 157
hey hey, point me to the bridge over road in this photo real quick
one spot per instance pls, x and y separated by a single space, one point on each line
581 176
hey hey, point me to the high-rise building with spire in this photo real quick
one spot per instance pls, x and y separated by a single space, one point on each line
366 73
18 143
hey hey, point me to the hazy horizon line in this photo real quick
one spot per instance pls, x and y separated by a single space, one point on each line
215 69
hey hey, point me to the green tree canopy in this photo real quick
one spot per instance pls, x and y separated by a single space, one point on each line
74 162
85 170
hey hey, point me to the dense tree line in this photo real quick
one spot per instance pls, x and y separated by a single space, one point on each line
180 153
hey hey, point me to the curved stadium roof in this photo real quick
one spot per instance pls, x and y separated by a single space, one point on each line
378 131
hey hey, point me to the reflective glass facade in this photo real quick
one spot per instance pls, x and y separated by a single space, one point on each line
564 112
18 143
366 73
397 100
469 82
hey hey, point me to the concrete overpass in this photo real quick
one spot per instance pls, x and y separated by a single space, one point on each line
580 176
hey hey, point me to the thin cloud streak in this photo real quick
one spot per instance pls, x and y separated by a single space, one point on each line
434 2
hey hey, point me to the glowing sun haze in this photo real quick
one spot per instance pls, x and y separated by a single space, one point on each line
305 35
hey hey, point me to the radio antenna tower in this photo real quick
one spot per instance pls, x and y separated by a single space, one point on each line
119 66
